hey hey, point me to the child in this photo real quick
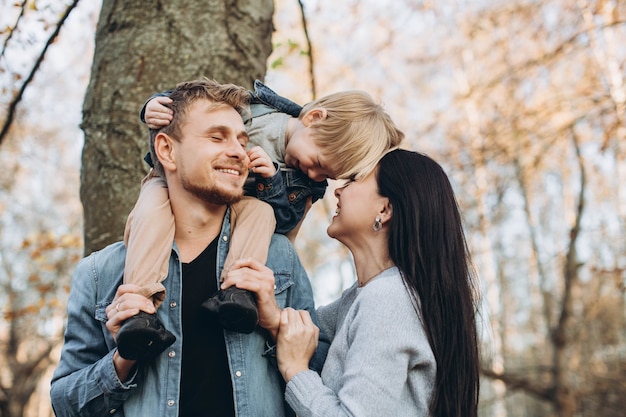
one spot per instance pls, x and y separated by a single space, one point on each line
294 149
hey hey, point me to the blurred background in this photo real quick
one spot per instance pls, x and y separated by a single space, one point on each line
522 102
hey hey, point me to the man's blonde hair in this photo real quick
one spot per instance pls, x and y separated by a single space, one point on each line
355 134
185 94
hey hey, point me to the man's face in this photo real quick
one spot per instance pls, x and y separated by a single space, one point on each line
211 159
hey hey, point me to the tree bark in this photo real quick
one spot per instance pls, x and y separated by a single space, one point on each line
142 48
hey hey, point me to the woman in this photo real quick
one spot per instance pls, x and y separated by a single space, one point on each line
404 335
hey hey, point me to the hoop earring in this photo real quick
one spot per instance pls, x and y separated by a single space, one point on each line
378 224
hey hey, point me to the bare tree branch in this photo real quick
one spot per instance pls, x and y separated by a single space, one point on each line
17 22
310 48
534 240
571 266
563 48
18 98
516 382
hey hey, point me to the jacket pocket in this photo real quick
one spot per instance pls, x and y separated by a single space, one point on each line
101 312
282 283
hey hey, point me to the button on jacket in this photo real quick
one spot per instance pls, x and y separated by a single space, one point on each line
85 382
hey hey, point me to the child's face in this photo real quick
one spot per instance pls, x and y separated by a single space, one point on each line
303 153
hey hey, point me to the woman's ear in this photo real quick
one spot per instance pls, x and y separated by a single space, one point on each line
314 115
386 212
165 152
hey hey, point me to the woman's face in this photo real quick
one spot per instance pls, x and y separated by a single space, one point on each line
358 205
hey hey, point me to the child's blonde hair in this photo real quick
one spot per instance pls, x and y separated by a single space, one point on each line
355 134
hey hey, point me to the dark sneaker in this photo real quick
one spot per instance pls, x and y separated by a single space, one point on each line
235 309
143 337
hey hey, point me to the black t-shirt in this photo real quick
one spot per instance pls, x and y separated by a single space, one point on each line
205 386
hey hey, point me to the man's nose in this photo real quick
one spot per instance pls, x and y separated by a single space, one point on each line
236 150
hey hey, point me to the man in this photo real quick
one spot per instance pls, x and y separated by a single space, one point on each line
206 371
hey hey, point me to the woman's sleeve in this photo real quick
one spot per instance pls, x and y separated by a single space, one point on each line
385 343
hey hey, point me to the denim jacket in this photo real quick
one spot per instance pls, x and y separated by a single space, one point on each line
289 189
85 382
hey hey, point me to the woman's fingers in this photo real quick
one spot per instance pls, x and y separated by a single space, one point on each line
297 341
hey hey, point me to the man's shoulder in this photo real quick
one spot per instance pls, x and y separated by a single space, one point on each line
281 253
280 242
112 250
109 258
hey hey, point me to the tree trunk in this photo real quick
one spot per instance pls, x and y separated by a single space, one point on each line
142 48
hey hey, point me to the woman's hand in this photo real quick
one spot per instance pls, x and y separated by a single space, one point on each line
297 341
157 115
250 274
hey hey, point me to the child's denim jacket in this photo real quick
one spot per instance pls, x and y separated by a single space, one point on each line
287 191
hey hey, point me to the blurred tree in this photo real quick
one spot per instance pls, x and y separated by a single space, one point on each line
141 48
537 151
40 215
33 318
39 247
30 23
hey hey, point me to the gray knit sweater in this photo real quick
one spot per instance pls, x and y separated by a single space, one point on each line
379 362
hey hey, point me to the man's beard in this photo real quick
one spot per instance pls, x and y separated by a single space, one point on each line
212 195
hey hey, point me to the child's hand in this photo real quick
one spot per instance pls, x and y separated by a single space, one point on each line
157 115
261 163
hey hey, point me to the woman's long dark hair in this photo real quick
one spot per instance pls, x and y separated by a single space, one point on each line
427 243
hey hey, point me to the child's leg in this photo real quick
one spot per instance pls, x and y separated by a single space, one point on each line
148 236
252 226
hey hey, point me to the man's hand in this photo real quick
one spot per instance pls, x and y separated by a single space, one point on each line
250 274
157 115
261 163
127 303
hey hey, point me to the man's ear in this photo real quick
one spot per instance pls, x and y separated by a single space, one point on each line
314 115
165 152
